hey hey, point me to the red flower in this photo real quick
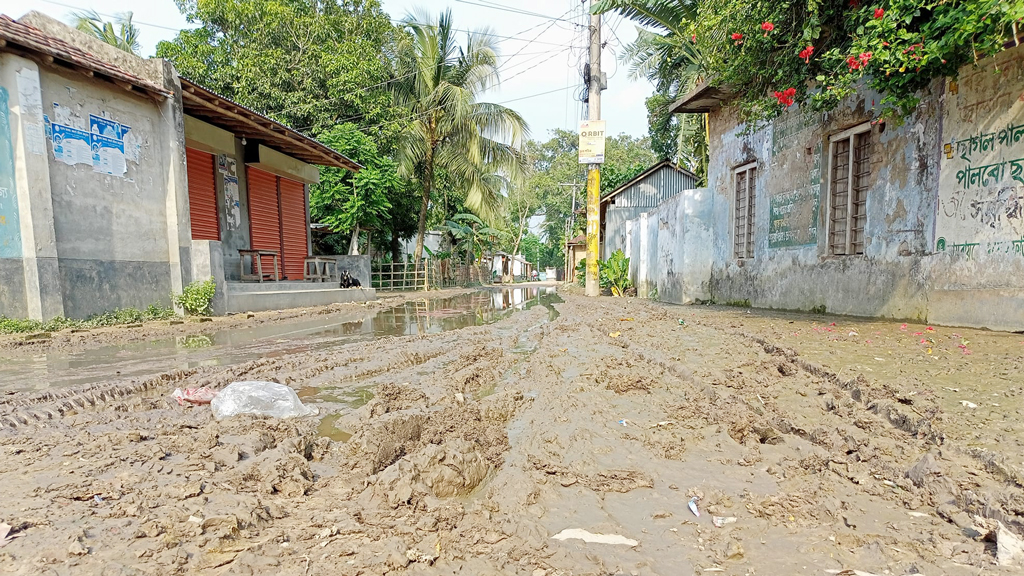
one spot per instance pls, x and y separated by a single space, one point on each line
737 36
785 97
806 54
853 63
864 57
693 38
767 27
879 12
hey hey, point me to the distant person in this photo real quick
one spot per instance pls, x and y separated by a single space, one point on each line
534 275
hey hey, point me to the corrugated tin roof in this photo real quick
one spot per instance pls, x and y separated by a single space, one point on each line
645 174
218 110
17 37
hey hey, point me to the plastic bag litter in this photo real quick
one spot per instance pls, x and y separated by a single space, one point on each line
193 395
260 398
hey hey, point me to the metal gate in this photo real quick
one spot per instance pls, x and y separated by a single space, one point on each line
293 227
264 213
202 195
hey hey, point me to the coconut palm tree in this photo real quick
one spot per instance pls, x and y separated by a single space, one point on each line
125 36
670 61
449 132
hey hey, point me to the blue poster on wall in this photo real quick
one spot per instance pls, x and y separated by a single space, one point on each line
107 146
71 146
10 225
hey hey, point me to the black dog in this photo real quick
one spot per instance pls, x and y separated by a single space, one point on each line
347 281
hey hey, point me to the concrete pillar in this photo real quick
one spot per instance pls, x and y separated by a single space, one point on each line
208 262
179 225
43 295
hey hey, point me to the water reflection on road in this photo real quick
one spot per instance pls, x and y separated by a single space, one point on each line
237 345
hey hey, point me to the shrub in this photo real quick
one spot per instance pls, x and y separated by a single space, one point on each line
615 273
111 318
196 297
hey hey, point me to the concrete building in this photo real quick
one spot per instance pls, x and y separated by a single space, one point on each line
575 252
841 211
508 268
121 182
643 193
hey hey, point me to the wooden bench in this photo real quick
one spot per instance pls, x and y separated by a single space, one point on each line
256 257
318 269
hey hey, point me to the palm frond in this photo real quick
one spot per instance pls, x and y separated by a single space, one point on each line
665 14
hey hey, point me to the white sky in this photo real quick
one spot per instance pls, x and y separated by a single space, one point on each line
548 63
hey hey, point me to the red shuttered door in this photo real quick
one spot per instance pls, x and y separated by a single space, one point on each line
264 214
293 220
202 195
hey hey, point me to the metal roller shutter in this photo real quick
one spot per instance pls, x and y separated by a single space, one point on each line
264 214
202 195
293 221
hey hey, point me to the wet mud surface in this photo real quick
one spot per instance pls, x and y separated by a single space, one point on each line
465 451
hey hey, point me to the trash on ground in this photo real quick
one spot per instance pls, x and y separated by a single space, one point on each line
5 530
1009 547
259 398
693 507
580 534
193 395
720 521
663 424
623 421
615 334
967 404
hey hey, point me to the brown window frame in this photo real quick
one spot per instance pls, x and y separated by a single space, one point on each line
849 155
744 210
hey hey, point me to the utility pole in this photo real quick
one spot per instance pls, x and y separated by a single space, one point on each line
593 285
570 275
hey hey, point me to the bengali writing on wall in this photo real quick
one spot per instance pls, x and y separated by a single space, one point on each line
793 215
981 178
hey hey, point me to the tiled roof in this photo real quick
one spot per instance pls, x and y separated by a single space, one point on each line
18 37
218 110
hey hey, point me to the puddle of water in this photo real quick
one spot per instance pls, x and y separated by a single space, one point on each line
238 345
328 429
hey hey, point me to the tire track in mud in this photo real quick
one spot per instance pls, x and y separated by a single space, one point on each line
482 443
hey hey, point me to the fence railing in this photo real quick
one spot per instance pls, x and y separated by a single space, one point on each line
430 275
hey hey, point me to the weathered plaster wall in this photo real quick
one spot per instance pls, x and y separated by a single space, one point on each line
978 270
791 267
945 207
111 221
670 248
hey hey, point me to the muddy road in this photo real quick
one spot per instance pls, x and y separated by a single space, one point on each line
503 446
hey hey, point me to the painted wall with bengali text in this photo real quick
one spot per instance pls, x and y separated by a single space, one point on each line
981 181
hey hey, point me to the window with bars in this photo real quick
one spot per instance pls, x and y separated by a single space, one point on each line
743 211
850 159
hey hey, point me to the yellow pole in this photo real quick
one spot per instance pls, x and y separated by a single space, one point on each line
593 285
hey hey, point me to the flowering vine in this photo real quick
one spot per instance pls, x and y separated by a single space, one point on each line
820 52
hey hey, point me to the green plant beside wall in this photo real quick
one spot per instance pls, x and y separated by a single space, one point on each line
115 317
615 271
196 297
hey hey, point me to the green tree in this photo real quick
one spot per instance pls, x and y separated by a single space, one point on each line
670 59
309 63
472 234
347 201
120 33
555 168
521 204
438 82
